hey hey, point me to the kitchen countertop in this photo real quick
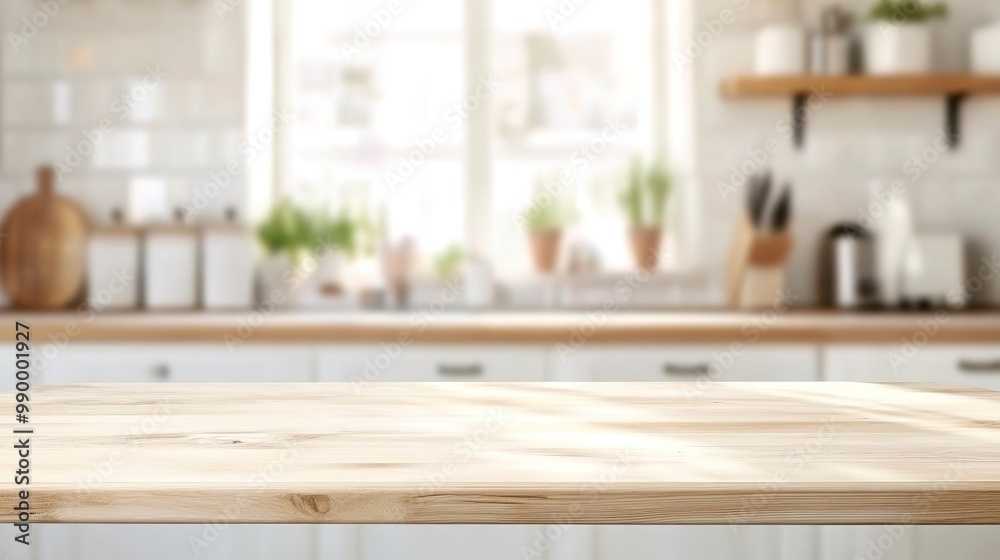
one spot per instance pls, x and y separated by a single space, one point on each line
621 453
515 327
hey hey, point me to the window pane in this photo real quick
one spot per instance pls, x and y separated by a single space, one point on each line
375 92
573 100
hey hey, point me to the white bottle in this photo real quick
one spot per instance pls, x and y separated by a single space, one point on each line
479 289
894 237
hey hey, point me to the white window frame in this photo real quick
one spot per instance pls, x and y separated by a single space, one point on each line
671 137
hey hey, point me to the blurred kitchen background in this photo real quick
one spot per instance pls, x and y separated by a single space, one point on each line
265 190
530 150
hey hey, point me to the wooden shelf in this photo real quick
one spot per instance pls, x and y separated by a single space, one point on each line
930 84
953 87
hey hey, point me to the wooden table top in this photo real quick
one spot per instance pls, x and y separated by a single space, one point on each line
619 453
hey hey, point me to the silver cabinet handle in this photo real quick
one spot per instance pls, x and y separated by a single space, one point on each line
693 369
971 366
460 370
162 371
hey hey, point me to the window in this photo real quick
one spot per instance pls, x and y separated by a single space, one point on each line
446 115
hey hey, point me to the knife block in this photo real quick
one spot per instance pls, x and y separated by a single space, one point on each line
755 276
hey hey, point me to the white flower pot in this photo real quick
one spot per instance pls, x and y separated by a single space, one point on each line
282 281
780 50
892 48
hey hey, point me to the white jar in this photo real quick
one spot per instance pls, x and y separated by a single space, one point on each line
227 267
892 49
171 267
780 50
113 275
985 53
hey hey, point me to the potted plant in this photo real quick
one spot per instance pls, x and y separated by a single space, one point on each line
644 200
285 236
297 243
545 218
448 263
340 238
899 40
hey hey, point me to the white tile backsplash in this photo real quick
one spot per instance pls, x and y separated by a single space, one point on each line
91 63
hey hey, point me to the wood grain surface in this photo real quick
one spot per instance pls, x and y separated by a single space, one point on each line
924 84
618 453
769 326
43 248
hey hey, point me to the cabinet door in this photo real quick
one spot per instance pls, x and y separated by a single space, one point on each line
173 542
375 364
368 364
703 363
977 365
152 363
159 363
247 364
705 542
696 365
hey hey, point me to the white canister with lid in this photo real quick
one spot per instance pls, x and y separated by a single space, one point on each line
780 50
228 261
114 255
171 266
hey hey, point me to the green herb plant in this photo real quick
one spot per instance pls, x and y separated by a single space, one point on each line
644 198
295 231
287 229
449 261
548 213
907 11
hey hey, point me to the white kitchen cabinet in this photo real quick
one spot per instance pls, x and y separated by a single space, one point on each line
695 365
173 542
148 363
445 362
363 365
977 365
706 542
702 363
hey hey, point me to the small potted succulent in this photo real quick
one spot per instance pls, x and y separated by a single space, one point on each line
545 218
899 39
644 201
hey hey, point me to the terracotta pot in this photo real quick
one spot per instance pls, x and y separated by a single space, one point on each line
646 247
545 249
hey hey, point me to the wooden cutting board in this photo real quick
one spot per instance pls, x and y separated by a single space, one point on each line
43 248
536 453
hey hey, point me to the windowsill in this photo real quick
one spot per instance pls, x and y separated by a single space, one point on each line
629 290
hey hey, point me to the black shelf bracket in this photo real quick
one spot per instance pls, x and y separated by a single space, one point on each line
953 118
798 118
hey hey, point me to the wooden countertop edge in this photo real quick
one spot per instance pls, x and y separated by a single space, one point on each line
715 504
570 329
